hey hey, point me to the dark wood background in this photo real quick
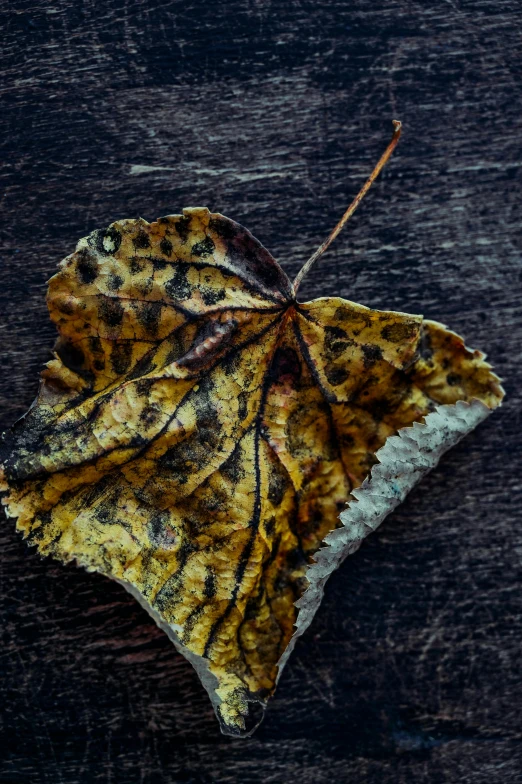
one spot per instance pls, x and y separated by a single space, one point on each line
274 112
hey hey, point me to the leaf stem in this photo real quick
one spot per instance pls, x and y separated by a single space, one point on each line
353 206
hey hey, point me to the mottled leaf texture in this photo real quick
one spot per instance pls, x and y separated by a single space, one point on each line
199 432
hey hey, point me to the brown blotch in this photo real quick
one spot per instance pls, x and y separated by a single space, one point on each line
276 488
114 282
233 469
110 311
121 355
336 342
150 414
87 268
204 248
178 287
371 354
141 240
351 317
453 379
336 375
136 265
398 332
149 315
166 246
95 345
182 227
212 296
210 587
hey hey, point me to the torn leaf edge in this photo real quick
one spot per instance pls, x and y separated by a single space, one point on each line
404 460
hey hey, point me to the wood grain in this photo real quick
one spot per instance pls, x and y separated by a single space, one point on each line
273 113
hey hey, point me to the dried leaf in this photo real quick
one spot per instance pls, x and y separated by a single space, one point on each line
198 433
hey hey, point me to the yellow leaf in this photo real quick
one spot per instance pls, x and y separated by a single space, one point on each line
199 431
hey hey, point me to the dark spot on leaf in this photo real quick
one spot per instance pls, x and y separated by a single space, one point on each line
425 345
178 287
182 227
285 366
110 311
114 282
233 469
143 387
170 593
181 460
72 356
276 487
158 264
65 306
453 379
398 332
372 354
159 531
295 558
347 440
336 342
145 286
231 363
106 242
242 405
105 513
339 347
336 375
352 317
141 240
87 268
210 587
37 534
203 248
150 414
136 265
121 355
295 439
207 415
380 408
144 366
216 501
95 345
166 246
156 525
149 315
334 333
211 296
270 526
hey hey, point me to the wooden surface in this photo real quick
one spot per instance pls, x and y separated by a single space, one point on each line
274 113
